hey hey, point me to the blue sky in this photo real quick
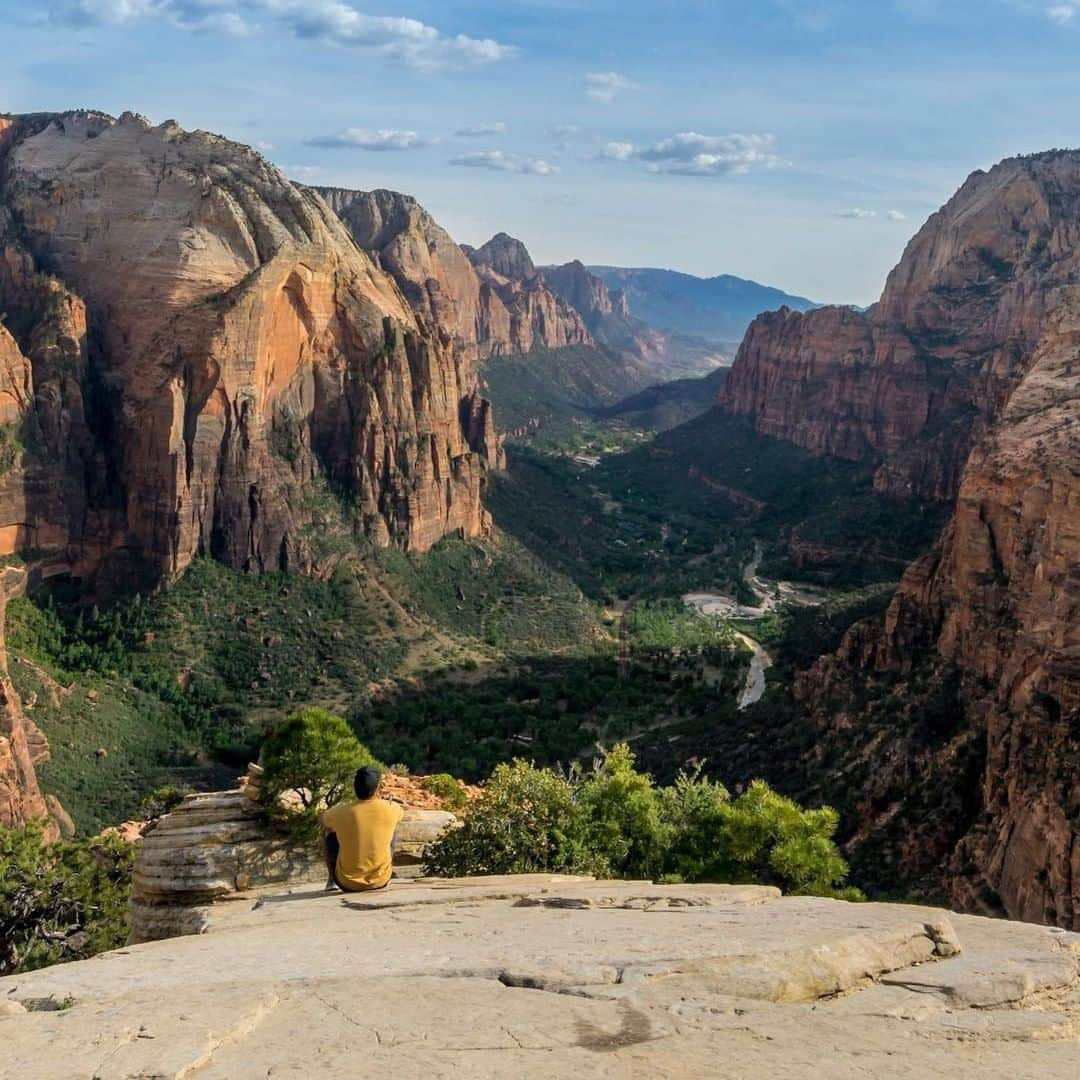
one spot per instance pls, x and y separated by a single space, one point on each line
797 143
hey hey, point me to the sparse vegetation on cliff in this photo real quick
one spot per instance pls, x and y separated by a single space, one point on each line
178 686
60 901
613 821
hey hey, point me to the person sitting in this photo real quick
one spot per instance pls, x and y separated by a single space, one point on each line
360 837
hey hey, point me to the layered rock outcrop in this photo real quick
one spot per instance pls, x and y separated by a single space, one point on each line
248 350
652 356
911 384
963 381
538 318
219 847
586 292
506 256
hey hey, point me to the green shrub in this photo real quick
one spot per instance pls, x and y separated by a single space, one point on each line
618 816
311 758
613 821
162 800
445 787
60 901
522 823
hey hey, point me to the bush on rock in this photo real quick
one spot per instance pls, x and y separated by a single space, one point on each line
612 821
308 764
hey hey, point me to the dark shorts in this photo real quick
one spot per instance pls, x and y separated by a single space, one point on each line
333 849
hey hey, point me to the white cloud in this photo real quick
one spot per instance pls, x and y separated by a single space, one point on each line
500 161
408 41
302 172
617 151
856 213
692 154
896 215
564 131
362 139
474 131
209 15
604 87
397 39
1063 13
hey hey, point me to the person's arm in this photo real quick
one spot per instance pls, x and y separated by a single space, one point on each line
393 835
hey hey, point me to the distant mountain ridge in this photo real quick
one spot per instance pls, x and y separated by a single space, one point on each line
718 309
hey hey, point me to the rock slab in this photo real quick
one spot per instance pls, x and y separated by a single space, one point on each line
540 976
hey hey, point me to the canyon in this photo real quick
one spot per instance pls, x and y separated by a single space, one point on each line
269 347
960 385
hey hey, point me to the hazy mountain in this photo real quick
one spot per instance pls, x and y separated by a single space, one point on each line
718 309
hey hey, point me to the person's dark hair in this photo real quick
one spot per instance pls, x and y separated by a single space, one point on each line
367 782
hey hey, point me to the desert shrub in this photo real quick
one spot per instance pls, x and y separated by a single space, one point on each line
60 901
445 787
614 822
310 759
523 822
618 816
759 836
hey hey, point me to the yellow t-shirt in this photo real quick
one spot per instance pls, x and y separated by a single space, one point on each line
364 831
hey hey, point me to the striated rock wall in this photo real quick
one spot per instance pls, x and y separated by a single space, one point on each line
913 383
586 292
22 745
963 382
648 355
217 845
506 256
536 318
248 348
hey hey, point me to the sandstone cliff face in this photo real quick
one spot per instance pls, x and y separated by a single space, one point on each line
586 292
982 316
247 349
537 318
497 307
506 256
22 745
913 383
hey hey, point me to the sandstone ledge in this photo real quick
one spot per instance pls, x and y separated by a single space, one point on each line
549 976
219 847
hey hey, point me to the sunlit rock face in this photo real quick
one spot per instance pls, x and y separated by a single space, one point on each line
963 383
239 347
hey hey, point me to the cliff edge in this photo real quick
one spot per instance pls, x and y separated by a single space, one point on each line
540 976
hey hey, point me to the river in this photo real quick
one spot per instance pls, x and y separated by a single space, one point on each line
770 594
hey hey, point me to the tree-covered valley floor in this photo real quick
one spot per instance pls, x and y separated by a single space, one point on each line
480 651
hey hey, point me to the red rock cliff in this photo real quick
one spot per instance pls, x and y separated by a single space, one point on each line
240 344
976 341
912 383
484 312
22 745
